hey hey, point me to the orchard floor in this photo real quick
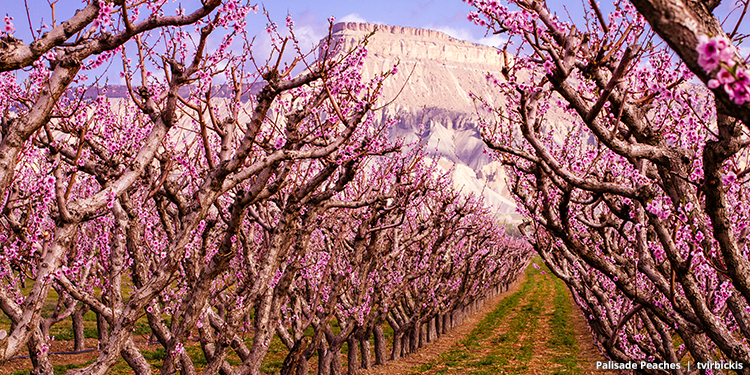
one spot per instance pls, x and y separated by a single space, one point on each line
533 328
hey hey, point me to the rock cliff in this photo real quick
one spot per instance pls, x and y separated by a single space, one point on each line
435 75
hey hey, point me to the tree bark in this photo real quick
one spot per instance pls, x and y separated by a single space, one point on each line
423 339
135 359
352 357
431 331
39 357
294 358
413 339
79 337
365 352
303 367
380 344
324 361
334 360
101 329
397 341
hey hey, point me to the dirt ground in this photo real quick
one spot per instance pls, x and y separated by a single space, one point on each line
66 359
433 350
589 354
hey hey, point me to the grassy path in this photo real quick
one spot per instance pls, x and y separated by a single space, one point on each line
529 332
530 329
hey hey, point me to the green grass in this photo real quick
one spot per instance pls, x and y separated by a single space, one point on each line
274 359
61 369
488 349
484 351
563 339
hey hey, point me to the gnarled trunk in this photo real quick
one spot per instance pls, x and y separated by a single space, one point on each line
79 338
365 352
352 363
38 355
380 344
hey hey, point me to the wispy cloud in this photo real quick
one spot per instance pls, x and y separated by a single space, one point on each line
492 40
352 17
308 36
463 34
466 34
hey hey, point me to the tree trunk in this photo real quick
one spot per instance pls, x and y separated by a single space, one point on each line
365 352
324 361
335 361
380 344
39 358
397 341
101 329
135 359
41 363
431 331
303 367
79 338
352 363
295 356
414 338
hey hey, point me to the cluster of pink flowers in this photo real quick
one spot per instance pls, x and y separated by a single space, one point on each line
8 29
718 52
104 18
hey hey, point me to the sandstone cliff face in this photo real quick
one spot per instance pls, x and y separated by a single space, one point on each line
443 69
435 75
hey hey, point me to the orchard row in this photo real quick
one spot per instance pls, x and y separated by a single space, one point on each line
280 209
633 175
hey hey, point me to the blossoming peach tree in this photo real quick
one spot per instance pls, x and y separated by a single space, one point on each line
217 214
625 138
415 255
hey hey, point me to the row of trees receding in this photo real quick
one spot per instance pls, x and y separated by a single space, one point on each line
222 220
634 176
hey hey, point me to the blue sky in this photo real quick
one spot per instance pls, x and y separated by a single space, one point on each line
310 16
445 15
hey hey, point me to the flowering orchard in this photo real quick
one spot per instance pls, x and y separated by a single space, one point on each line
221 220
640 201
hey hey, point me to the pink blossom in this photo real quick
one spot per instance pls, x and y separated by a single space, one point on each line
711 51
178 349
279 143
9 28
724 76
738 92
717 52
548 65
699 236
